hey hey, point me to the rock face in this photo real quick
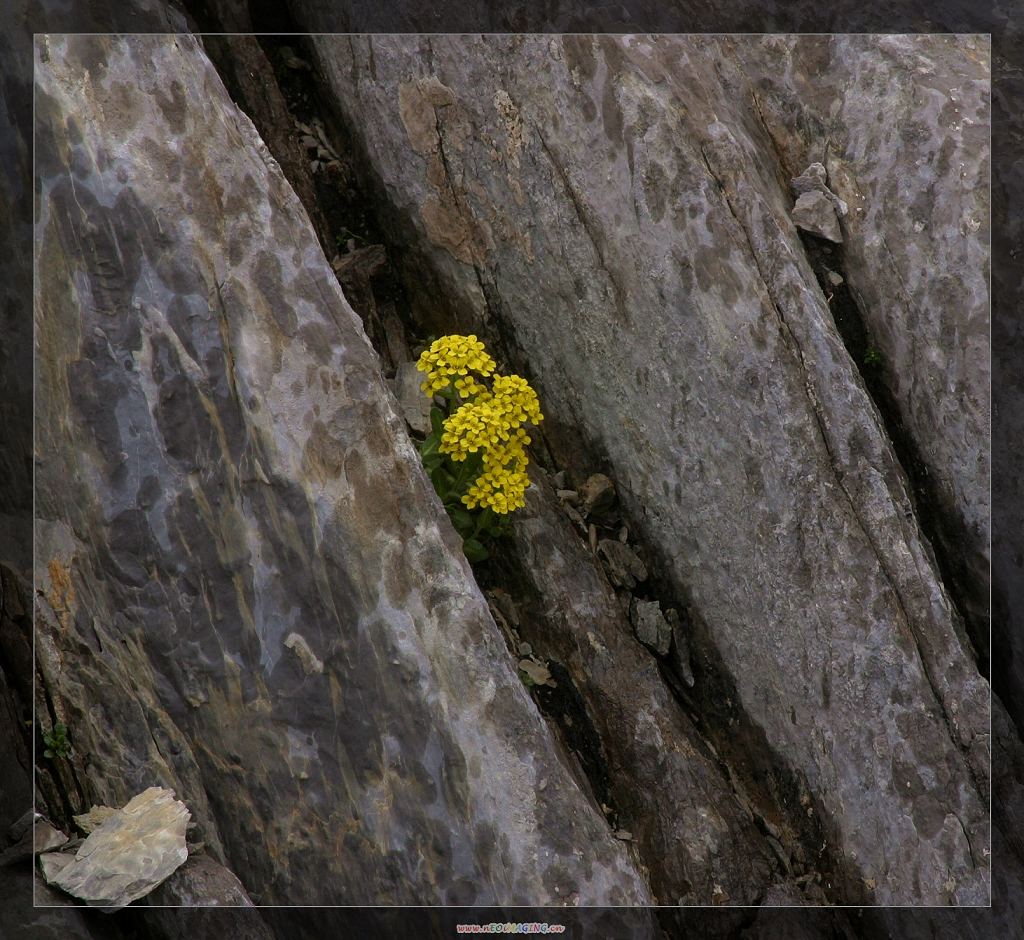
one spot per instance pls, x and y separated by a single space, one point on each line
902 126
695 832
638 257
224 473
127 855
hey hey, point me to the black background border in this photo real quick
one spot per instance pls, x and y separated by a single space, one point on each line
19 19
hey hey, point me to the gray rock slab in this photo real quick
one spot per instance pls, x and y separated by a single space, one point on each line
690 827
625 568
642 254
815 213
225 469
650 625
915 173
414 404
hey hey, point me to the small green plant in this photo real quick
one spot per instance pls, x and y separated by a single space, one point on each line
475 453
56 741
872 358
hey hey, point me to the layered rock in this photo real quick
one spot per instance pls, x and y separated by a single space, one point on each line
613 209
227 497
917 245
695 827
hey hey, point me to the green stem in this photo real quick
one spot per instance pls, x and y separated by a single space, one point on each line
460 480
483 518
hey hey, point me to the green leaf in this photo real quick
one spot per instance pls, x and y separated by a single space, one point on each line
475 551
461 519
48 754
435 421
438 478
474 464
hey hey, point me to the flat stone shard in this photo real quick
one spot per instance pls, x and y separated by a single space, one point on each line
414 404
597 496
97 815
652 629
128 854
814 179
624 567
681 647
45 837
815 213
41 837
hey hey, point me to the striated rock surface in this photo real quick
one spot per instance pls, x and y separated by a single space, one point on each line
228 498
127 855
614 209
694 832
902 125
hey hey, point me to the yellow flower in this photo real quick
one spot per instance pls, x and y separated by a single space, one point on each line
502 485
511 451
455 357
476 425
517 400
501 490
489 421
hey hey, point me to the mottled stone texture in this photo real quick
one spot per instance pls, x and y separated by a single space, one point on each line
694 827
615 209
221 469
902 125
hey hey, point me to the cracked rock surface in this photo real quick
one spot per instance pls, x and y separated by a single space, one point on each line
249 586
641 255
265 606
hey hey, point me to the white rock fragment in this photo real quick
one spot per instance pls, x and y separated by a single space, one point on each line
307 658
127 855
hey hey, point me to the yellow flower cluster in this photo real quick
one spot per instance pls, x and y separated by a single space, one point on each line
478 425
502 485
453 358
489 420
516 400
